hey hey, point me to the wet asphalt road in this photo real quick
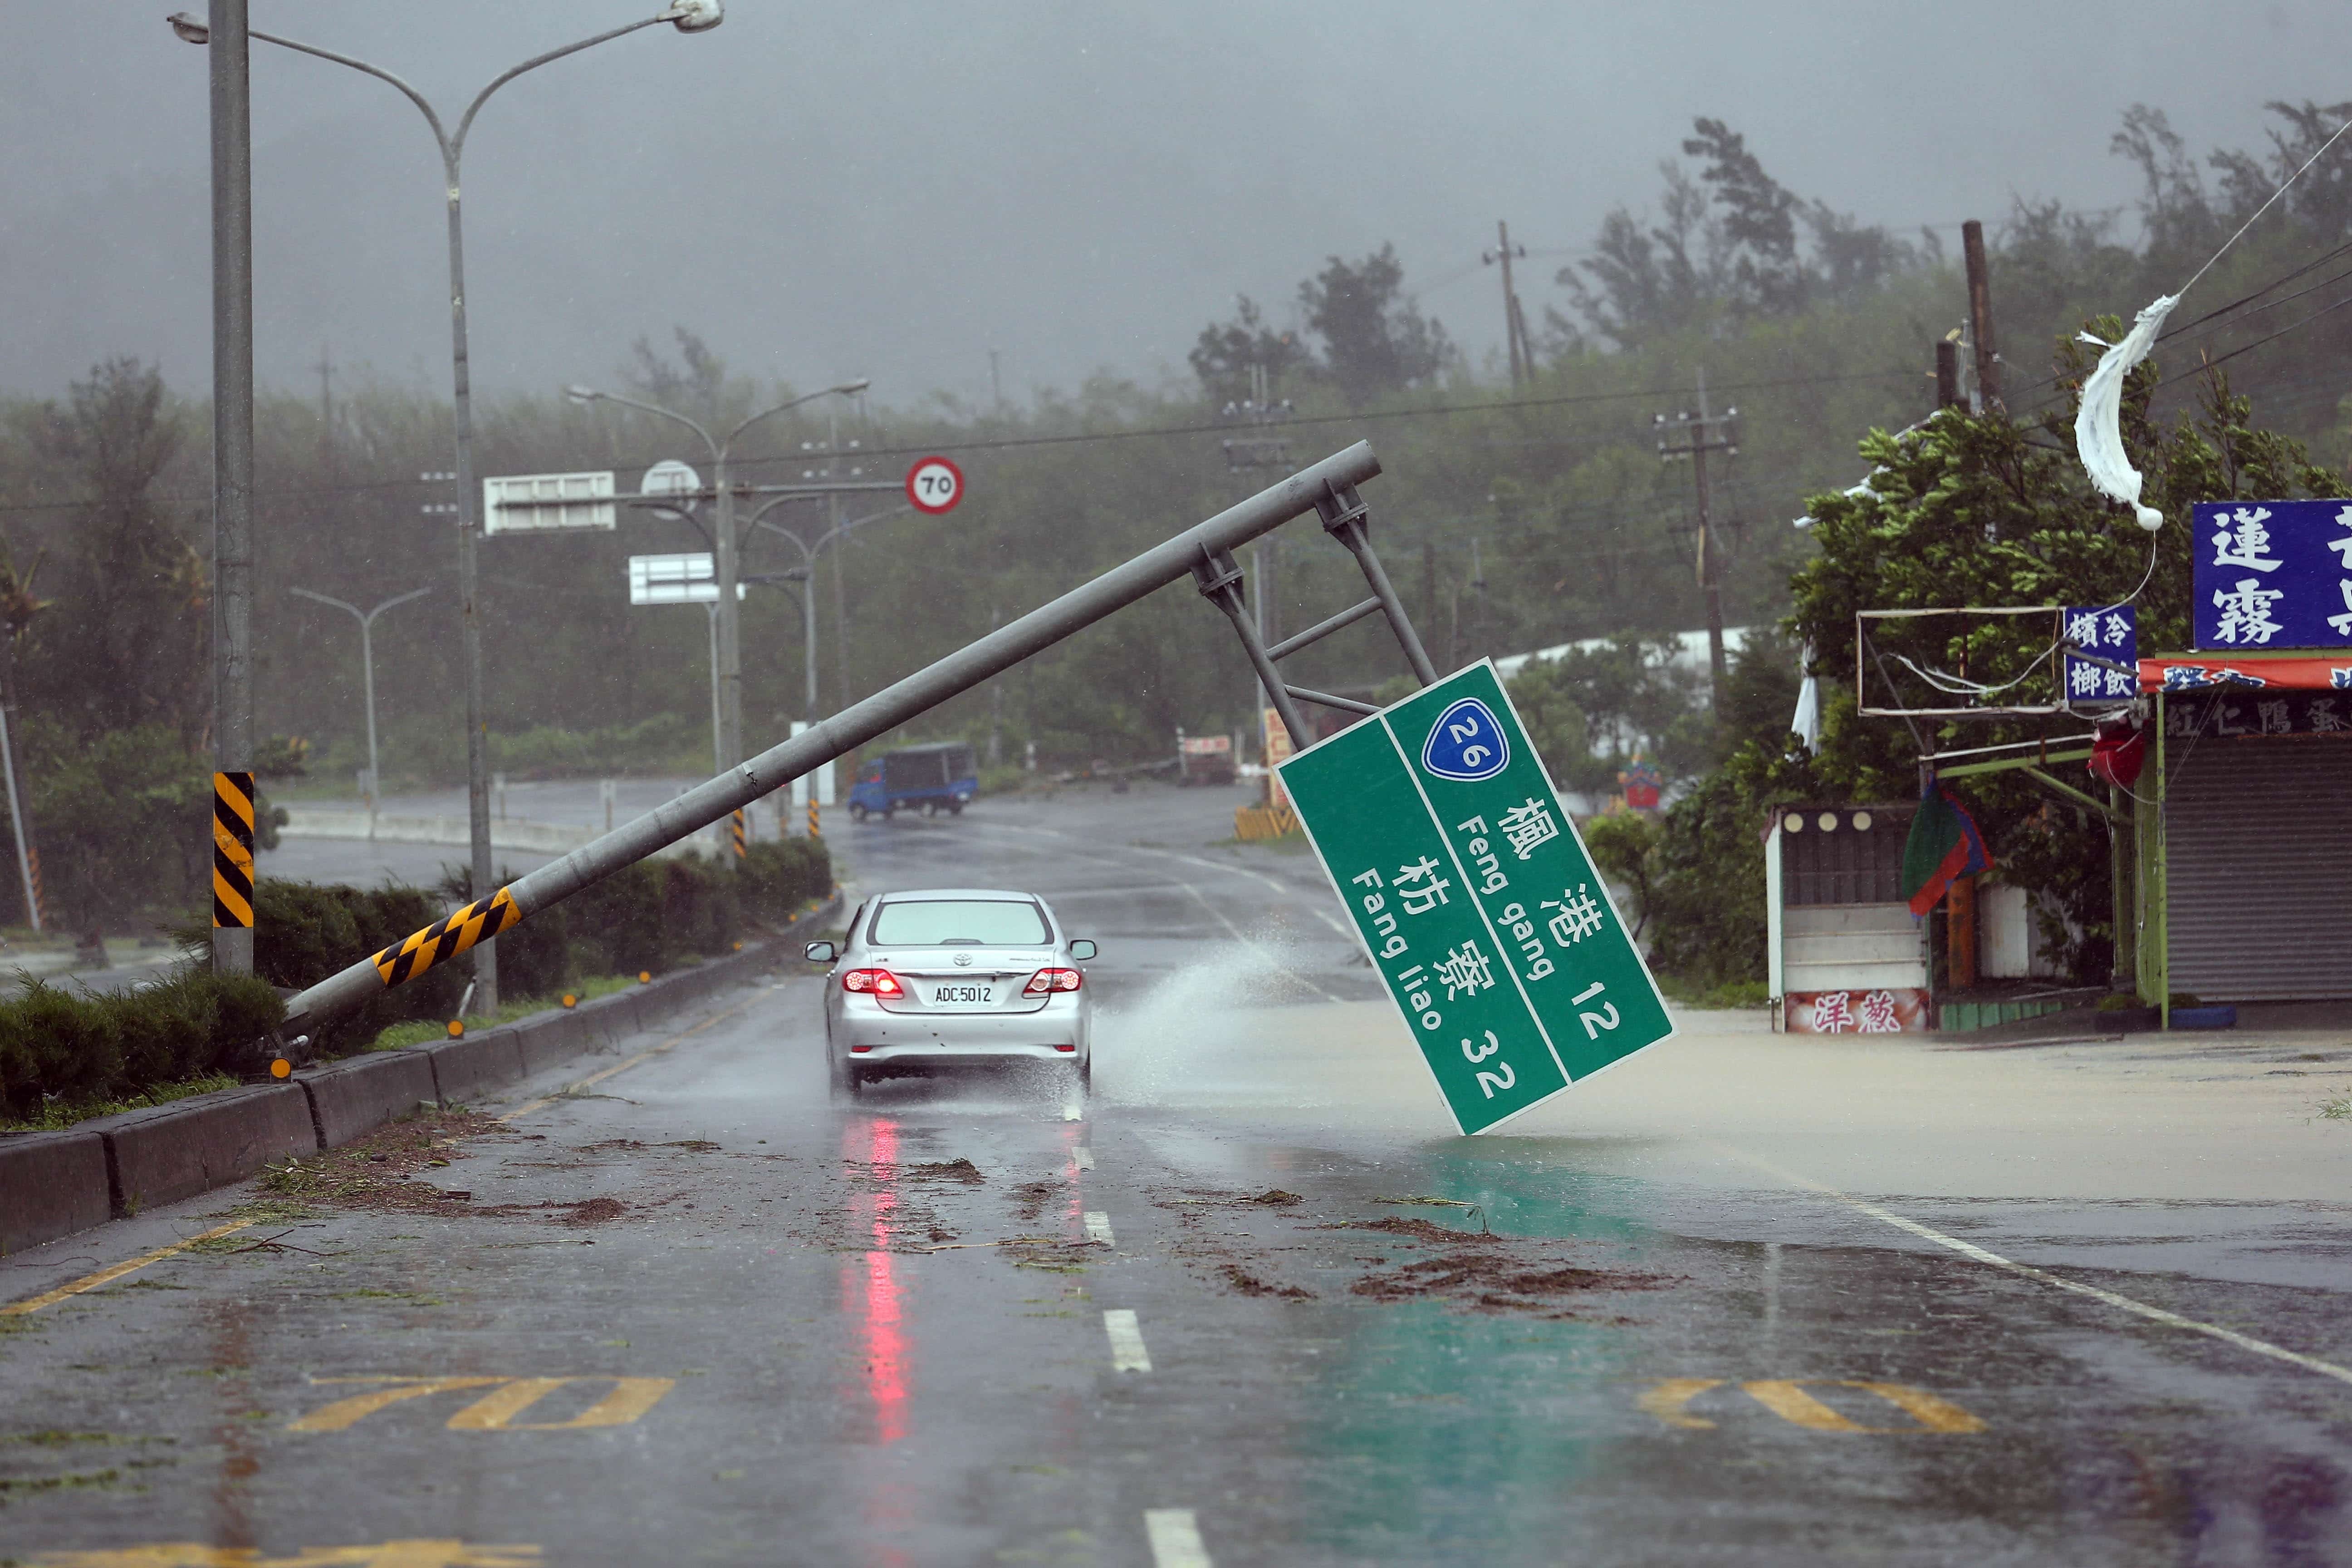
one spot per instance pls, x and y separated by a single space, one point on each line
697 1313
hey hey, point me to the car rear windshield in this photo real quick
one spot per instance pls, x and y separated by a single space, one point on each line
959 922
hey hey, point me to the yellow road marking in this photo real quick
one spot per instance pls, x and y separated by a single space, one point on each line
629 1398
642 1057
1669 1400
414 1554
107 1276
342 1413
1666 1400
2111 1298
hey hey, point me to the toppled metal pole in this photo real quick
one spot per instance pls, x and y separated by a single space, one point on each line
821 742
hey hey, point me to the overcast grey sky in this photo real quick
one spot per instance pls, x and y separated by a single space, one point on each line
894 188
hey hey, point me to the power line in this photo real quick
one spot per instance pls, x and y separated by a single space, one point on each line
1015 443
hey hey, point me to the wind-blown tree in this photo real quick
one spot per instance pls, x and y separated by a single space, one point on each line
128 643
1375 340
1226 351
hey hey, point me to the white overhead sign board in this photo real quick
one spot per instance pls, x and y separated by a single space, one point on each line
675 580
547 503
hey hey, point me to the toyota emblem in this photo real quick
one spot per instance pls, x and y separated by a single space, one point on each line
964 961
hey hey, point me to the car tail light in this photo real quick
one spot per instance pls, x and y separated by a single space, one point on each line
1071 1050
873 982
1045 981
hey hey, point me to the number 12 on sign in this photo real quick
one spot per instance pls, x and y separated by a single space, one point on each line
1476 898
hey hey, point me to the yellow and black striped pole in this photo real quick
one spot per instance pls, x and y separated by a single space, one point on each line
447 937
233 851
812 832
741 832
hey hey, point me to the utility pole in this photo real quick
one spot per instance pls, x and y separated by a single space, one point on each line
1245 457
326 368
995 385
1972 250
1514 321
1948 372
1685 436
232 191
1478 602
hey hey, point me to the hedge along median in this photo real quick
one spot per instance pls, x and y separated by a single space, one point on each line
56 1184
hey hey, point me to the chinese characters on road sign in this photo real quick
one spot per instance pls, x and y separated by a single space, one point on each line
1475 898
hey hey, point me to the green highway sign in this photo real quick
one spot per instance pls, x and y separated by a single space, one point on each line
1476 898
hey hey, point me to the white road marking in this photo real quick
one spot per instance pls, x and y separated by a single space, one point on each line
1098 1228
1175 1538
1127 1352
2109 1297
1084 1156
1072 1111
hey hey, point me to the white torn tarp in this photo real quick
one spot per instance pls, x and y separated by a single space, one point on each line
2098 424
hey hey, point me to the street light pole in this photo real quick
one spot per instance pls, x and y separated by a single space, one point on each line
688 16
366 619
231 194
809 553
727 618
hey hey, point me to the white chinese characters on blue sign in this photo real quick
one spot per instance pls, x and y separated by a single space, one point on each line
2109 633
2274 574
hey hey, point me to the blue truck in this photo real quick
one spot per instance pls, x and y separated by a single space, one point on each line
932 779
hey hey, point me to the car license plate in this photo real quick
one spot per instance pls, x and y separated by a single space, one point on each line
963 993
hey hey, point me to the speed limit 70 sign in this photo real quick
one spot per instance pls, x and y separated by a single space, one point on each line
934 485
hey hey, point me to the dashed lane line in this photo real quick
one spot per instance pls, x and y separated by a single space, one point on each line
643 1056
2074 1287
1127 1352
108 1275
1098 1228
1083 1157
1175 1537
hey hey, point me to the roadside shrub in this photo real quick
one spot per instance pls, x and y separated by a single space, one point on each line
56 1042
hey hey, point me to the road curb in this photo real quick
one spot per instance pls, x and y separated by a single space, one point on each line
207 1140
51 1184
351 1099
55 1184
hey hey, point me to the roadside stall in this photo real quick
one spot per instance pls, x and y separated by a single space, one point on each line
1844 954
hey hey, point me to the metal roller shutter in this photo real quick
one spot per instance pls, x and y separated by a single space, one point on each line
2258 847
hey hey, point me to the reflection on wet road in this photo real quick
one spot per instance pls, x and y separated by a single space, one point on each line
1247 1305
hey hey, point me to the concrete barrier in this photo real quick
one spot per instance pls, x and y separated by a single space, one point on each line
352 1099
465 1070
547 1041
51 1184
207 1140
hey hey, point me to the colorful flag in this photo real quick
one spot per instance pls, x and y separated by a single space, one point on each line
1944 846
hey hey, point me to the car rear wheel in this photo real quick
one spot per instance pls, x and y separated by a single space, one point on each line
844 1079
856 812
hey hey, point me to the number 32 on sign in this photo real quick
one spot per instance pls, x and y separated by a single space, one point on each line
1476 898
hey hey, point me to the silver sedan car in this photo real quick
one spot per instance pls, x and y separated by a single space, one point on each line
949 977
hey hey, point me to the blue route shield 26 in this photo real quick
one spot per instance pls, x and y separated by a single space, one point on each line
1467 743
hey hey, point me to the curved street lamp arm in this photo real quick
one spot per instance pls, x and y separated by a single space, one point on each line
323 599
396 599
779 408
458 144
448 148
836 532
660 413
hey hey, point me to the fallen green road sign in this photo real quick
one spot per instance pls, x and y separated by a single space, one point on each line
1476 898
